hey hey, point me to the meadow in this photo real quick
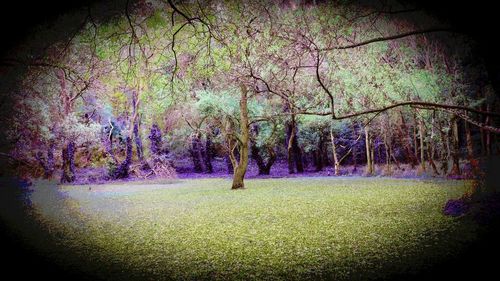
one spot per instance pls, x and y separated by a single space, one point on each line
275 229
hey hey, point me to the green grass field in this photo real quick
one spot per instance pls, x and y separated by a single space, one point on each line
300 228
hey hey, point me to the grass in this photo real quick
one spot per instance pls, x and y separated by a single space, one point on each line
300 228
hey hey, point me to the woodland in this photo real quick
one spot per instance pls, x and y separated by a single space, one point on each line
311 85
225 93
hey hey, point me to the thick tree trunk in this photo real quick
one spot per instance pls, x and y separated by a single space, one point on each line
155 140
68 165
264 167
297 155
208 155
241 166
294 153
196 153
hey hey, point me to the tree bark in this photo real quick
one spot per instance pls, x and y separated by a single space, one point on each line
68 167
137 137
48 165
241 166
421 130
473 162
455 152
406 135
155 139
336 163
369 152
208 155
196 154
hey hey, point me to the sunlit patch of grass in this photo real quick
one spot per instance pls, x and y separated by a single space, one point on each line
300 228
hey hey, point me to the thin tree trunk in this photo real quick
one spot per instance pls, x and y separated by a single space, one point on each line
319 156
406 134
290 135
354 150
473 162
387 146
369 161
421 130
336 164
455 153
488 133
430 150
137 137
445 152
230 169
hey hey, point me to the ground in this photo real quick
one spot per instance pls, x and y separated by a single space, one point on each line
296 228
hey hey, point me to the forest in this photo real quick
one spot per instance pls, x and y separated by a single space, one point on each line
170 90
254 83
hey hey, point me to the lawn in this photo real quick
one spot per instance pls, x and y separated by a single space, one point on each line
296 228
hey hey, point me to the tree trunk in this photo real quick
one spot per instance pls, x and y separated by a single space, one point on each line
430 150
445 152
421 130
68 165
473 162
297 155
369 153
208 155
137 137
354 150
241 166
196 154
488 133
138 142
294 153
230 168
455 152
264 167
336 163
406 135
155 140
289 149
48 164
387 146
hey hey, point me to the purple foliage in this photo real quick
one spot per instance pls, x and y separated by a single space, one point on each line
456 207
155 140
122 170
